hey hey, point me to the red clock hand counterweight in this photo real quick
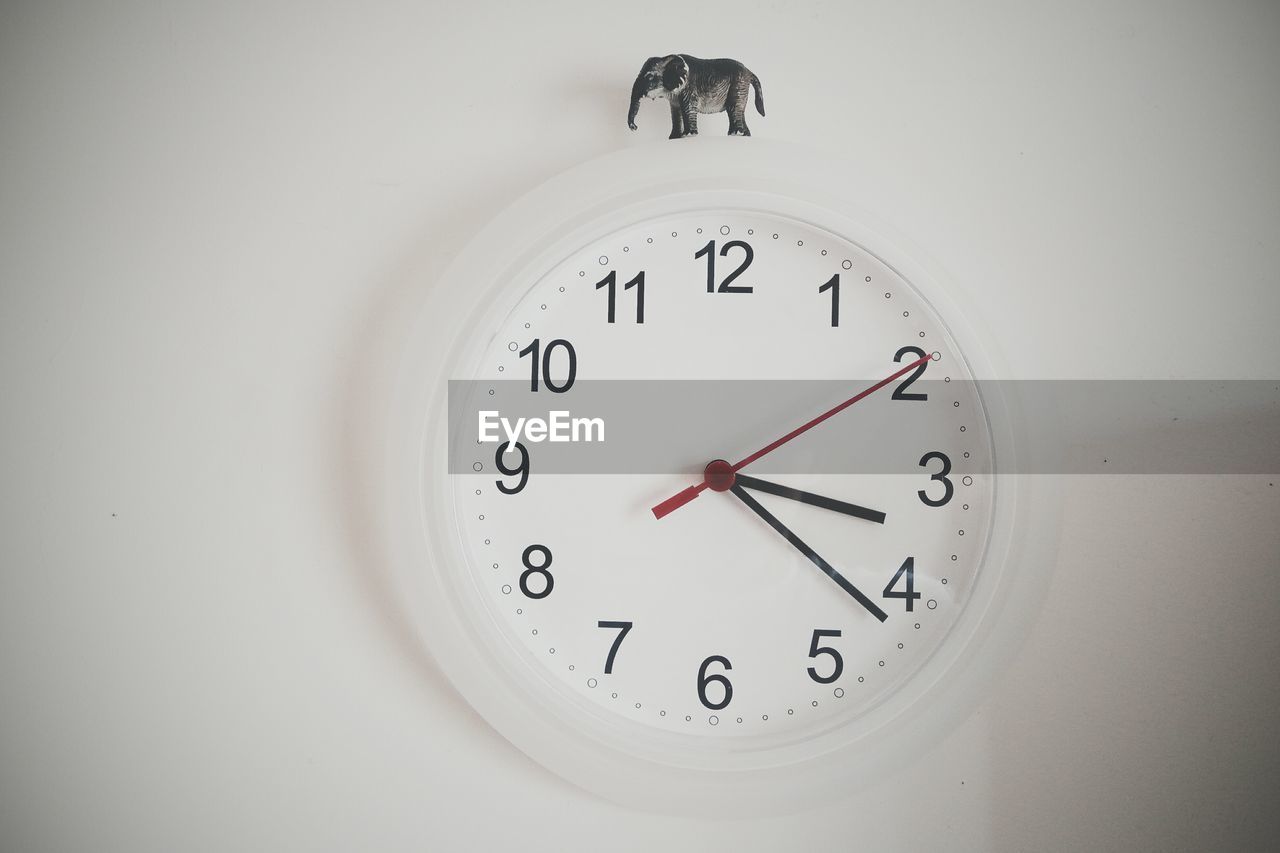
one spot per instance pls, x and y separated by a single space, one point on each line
724 476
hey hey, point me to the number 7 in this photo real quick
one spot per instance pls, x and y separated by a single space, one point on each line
617 641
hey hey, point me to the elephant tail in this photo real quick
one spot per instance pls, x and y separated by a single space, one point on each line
755 81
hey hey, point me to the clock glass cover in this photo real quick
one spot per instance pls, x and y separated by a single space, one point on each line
766 613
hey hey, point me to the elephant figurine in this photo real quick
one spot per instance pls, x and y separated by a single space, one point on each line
693 86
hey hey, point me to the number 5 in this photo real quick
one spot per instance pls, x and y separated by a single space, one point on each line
815 650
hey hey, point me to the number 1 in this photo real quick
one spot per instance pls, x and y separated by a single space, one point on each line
834 286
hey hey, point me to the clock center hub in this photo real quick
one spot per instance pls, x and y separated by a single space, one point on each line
719 475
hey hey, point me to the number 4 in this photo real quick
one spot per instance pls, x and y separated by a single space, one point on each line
908 568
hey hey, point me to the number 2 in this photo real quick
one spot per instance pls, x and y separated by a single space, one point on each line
901 392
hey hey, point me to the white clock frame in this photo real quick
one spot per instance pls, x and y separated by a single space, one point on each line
618 759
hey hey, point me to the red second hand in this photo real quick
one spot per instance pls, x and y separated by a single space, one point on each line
681 498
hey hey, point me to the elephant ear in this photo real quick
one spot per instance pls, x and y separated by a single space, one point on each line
676 74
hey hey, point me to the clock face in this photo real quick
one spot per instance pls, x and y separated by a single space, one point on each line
788 605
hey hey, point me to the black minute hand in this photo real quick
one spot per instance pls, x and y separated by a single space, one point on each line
810 498
795 540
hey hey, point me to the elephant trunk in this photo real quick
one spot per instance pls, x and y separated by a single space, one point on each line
637 92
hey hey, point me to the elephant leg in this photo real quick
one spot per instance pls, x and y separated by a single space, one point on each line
690 120
738 118
677 122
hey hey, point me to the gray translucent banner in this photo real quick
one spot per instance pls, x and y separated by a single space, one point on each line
1062 426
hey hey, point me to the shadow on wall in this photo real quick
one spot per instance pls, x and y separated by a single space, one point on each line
360 430
592 111
599 105
1167 742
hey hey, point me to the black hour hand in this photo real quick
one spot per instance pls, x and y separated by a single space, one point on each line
810 498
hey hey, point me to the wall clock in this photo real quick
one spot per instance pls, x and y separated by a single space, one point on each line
729 623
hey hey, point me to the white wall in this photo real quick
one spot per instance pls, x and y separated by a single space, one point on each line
212 217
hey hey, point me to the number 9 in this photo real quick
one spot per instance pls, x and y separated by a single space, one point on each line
521 470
